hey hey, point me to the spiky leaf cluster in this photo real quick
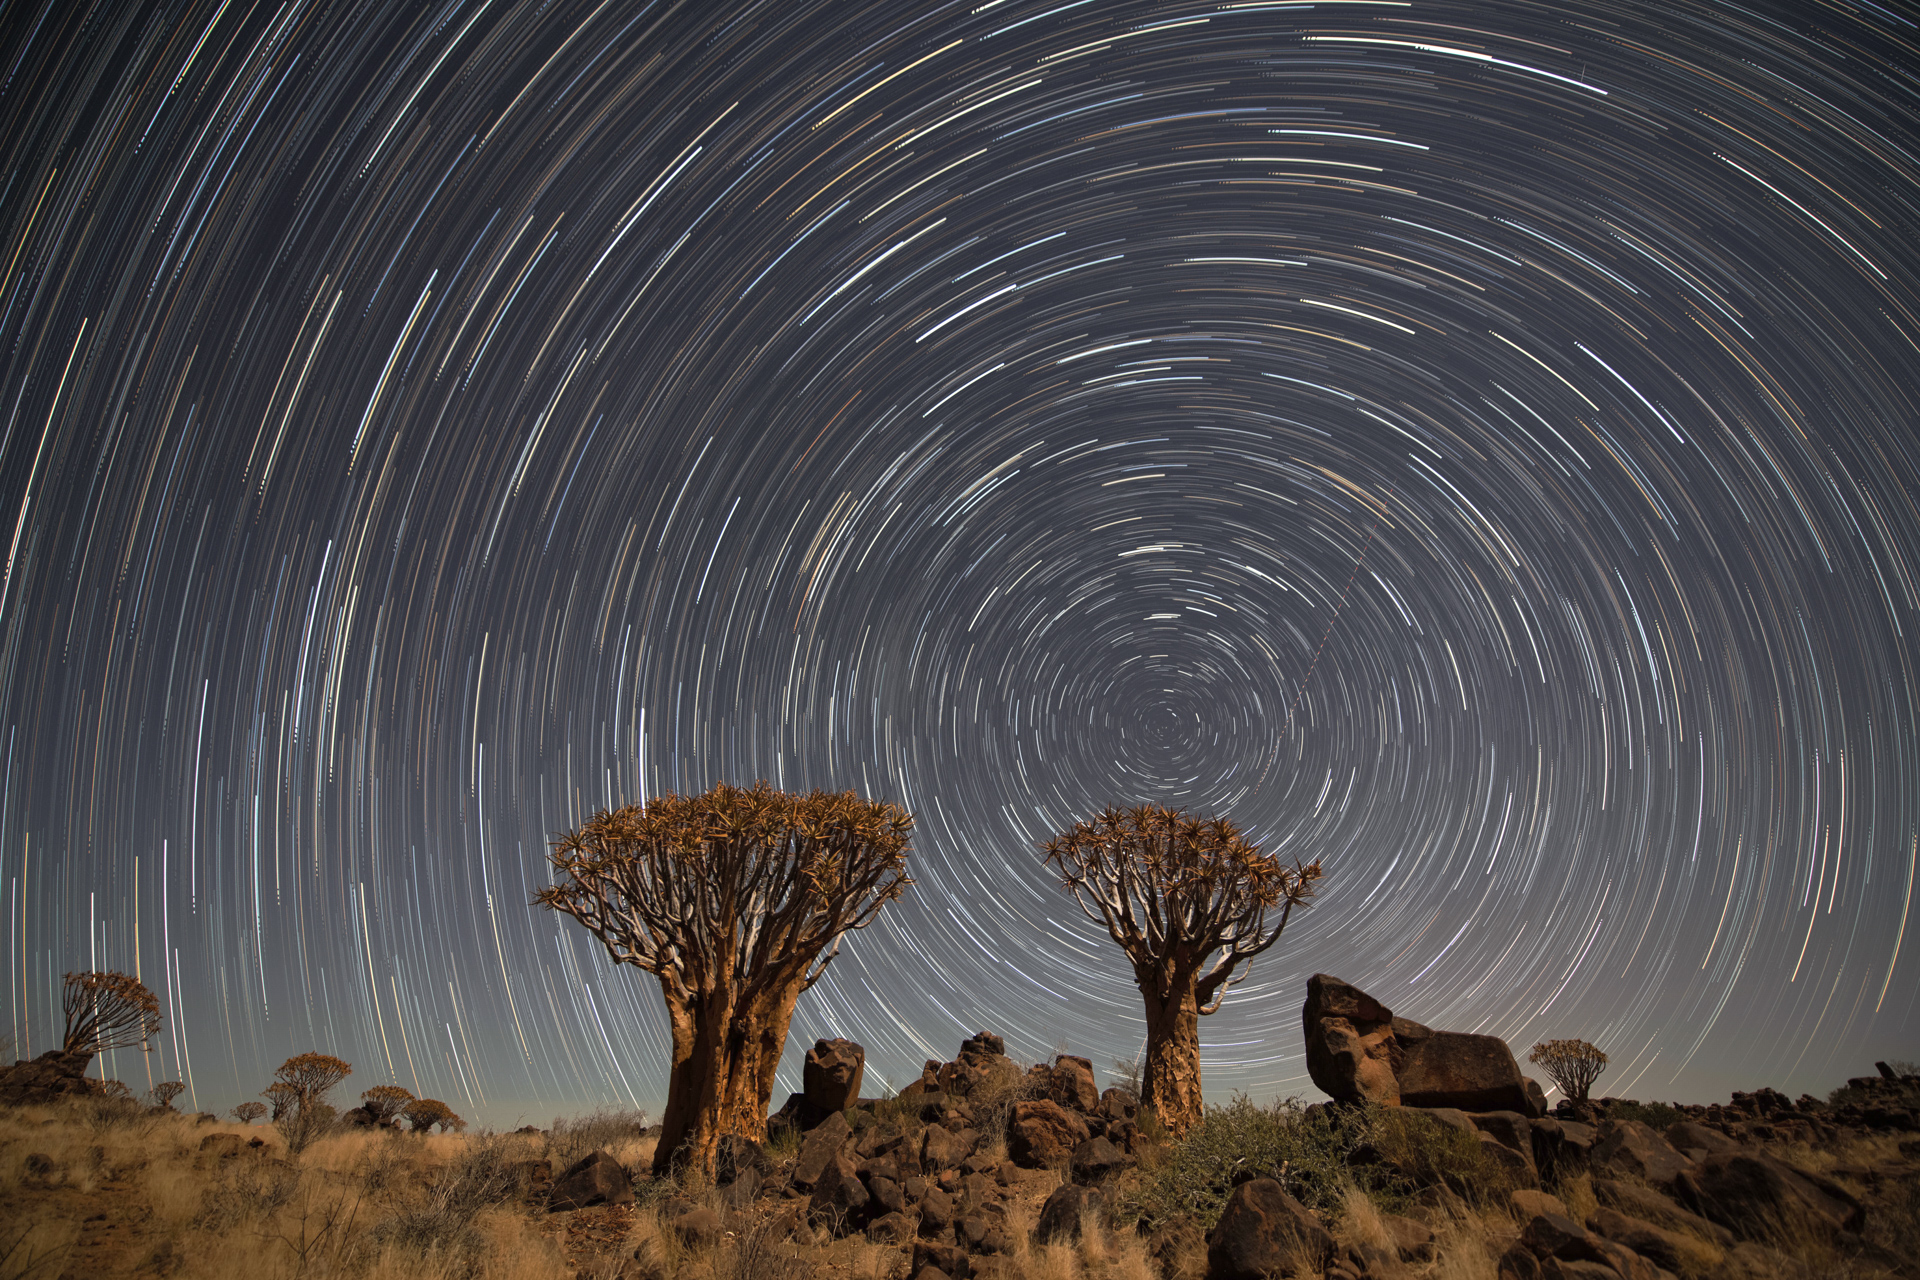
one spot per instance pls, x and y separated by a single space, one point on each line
1165 884
723 889
1573 1065
107 1010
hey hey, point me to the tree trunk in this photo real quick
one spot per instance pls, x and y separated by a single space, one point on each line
1172 1071
725 1055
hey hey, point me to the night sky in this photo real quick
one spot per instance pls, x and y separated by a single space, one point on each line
1474 445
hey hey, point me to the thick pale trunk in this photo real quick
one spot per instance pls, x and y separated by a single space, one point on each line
724 1059
1172 1072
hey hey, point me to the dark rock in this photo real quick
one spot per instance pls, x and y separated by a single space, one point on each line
1561 1269
1263 1232
222 1146
830 1078
697 1226
1517 1263
891 1228
1518 1166
936 1211
1561 1148
840 1200
1527 1204
1071 1084
1413 1241
736 1157
1042 1132
1644 1202
985 1043
1061 1215
821 1147
1351 1047
1119 1104
1758 1197
45 1079
888 1197
1632 1148
1676 1252
1550 1235
945 1257
942 1148
879 1139
1459 1069
1095 1159
595 1178
1537 1097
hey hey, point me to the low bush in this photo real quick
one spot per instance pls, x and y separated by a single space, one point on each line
1412 1150
1310 1151
1657 1116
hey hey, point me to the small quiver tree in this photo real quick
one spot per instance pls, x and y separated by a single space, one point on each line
107 1010
422 1114
1572 1065
165 1092
299 1096
736 901
249 1112
384 1102
1189 901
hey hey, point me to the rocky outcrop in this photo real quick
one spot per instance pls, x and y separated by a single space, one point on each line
1263 1232
830 1078
48 1078
1358 1051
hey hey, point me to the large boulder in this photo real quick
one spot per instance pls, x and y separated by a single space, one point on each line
1263 1232
1458 1069
51 1076
820 1148
1064 1211
595 1178
830 1078
1632 1148
1350 1042
982 1066
1759 1197
1070 1084
1042 1133
1358 1051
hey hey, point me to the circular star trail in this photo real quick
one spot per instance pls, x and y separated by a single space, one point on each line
1470 444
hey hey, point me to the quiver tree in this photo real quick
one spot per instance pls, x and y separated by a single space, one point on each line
298 1094
423 1113
736 901
165 1092
107 1010
1190 902
249 1112
385 1101
1572 1065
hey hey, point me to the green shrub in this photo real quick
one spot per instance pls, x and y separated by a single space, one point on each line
1310 1153
1414 1150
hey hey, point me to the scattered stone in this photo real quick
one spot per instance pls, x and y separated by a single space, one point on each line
595 1178
1096 1159
820 1148
1061 1215
1529 1203
1071 1084
891 1228
948 1259
737 1157
1264 1232
942 1148
840 1201
697 1226
1517 1165
1043 1133
1644 1202
936 1211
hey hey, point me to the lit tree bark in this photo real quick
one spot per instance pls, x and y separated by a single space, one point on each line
736 900
1188 900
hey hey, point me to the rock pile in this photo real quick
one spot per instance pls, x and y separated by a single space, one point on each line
1358 1051
925 1170
45 1079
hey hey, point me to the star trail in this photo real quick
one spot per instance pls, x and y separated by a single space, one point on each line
1474 445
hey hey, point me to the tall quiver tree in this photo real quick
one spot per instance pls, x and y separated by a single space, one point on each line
107 1010
736 900
1190 902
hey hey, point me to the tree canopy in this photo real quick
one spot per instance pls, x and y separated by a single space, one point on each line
107 1010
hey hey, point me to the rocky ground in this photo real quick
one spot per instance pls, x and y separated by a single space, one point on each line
985 1168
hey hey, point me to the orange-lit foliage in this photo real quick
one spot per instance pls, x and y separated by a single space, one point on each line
107 1010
